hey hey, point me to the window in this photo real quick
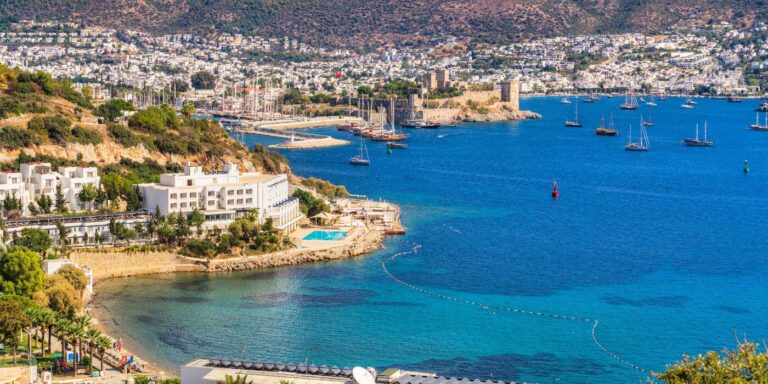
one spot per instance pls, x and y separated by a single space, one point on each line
183 195
173 205
248 201
189 182
249 191
193 204
173 195
239 201
211 202
239 191
193 194
230 202
211 193
230 192
183 205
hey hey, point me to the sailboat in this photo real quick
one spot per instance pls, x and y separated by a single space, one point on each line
591 98
630 101
689 103
643 144
362 158
390 134
648 123
575 123
603 131
565 100
651 102
696 142
757 126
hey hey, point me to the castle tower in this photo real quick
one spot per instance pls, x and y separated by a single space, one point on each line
510 93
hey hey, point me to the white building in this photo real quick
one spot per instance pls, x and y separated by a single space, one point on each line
38 179
224 196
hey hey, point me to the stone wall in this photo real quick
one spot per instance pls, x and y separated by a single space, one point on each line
118 264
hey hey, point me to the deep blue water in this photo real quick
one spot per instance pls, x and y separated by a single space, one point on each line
667 249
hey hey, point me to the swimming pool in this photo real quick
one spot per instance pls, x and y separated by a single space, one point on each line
325 235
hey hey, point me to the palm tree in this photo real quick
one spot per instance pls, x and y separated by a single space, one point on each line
102 344
236 380
92 335
61 328
33 315
47 320
77 332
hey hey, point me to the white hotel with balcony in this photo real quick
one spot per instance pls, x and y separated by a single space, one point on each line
224 196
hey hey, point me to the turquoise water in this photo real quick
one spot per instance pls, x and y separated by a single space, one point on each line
666 249
325 235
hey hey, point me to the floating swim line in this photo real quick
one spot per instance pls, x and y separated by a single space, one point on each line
595 323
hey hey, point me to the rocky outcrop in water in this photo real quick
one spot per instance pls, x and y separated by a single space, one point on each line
500 116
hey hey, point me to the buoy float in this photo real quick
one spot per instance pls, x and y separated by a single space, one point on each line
746 167
389 151
555 192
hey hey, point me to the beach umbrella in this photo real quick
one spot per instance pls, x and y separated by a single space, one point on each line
301 368
313 368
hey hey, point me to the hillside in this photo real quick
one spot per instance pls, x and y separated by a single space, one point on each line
373 23
45 119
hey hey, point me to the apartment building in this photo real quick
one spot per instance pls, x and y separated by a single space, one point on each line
38 178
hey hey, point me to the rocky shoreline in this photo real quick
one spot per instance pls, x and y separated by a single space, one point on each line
501 116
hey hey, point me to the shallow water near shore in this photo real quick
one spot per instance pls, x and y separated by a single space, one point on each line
666 249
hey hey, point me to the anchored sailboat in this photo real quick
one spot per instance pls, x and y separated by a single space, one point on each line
575 123
362 158
630 101
696 142
643 144
603 131
757 126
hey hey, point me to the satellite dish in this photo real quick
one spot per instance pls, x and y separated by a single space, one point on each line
362 376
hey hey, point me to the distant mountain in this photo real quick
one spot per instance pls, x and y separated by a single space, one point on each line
366 23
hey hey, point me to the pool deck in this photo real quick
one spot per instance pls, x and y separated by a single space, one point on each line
297 237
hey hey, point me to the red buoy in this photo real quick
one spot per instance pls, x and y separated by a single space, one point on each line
555 193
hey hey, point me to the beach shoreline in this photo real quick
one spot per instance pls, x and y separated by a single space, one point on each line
360 242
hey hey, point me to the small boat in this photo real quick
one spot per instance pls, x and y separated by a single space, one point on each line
362 158
591 98
734 99
642 99
696 142
630 102
603 131
640 146
763 107
420 124
648 123
396 145
575 123
651 102
565 100
688 104
757 126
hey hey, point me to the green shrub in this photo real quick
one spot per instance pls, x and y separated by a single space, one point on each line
167 144
123 135
15 138
55 128
84 135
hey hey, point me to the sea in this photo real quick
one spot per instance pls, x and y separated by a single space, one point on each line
644 257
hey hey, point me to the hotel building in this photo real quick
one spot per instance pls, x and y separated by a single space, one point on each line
224 196
37 179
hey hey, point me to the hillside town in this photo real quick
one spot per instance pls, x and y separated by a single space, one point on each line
718 59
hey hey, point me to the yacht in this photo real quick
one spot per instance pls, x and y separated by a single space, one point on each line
575 123
757 126
603 131
642 145
630 101
696 142
362 158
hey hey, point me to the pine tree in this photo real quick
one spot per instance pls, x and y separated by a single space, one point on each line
61 203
